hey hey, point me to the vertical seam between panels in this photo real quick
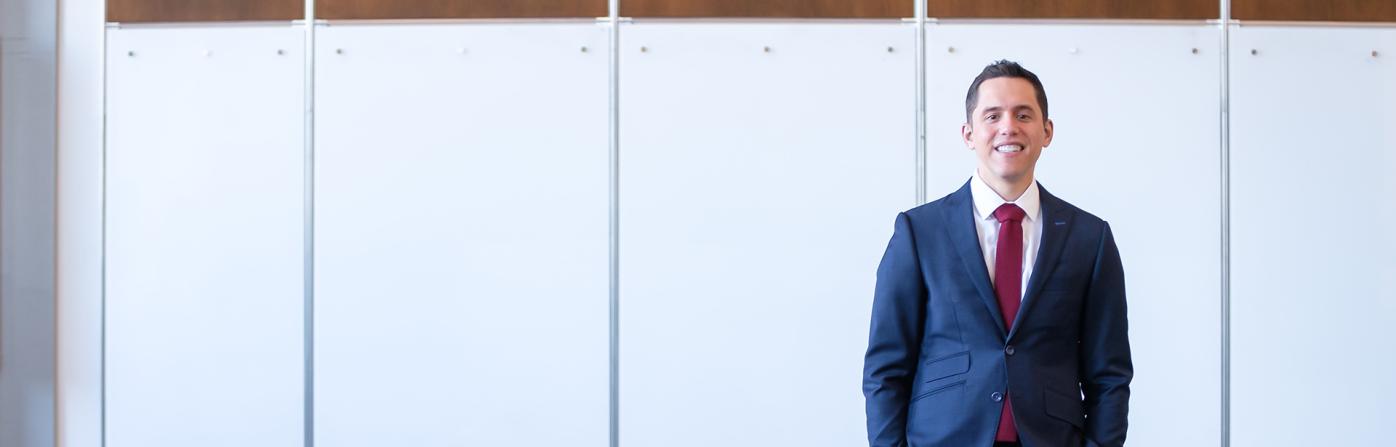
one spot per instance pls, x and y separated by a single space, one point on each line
1225 252
613 219
308 230
920 9
102 423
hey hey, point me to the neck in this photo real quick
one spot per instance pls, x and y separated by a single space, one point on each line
1007 189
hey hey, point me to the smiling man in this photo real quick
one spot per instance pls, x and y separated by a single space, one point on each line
999 313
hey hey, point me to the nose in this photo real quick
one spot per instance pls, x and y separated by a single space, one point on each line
1007 128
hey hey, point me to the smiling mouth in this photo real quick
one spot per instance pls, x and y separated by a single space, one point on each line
1009 148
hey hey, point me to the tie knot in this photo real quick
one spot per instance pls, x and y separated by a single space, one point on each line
1009 211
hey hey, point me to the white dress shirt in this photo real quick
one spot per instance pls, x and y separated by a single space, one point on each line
985 202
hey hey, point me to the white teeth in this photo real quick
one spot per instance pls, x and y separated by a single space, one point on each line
1009 148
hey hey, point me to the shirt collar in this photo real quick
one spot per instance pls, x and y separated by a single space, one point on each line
986 200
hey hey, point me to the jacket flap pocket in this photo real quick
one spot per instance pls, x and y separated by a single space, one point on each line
940 368
1065 408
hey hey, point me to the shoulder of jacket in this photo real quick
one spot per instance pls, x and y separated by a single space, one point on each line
1082 217
929 210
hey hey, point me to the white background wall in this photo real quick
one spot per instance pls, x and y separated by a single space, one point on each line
757 189
78 222
204 237
461 235
1119 143
1312 156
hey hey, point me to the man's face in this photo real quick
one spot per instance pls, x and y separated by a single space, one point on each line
1007 130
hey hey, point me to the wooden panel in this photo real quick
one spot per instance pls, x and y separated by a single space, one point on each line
834 9
1315 10
1075 9
203 10
457 9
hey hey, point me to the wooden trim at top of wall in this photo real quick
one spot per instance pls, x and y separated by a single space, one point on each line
797 9
458 9
137 11
274 10
1075 9
1315 10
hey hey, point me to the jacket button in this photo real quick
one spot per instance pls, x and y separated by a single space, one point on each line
996 396
1009 350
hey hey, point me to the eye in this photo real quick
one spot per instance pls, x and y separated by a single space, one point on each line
1024 116
991 117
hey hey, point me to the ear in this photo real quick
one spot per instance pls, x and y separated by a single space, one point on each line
965 133
1048 131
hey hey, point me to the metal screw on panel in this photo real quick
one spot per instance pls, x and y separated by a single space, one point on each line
338 51
1194 51
280 52
130 54
949 49
584 49
644 49
890 49
1374 53
1254 52
766 49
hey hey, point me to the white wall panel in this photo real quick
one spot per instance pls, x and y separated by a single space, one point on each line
78 228
1136 113
461 233
1313 148
204 232
762 166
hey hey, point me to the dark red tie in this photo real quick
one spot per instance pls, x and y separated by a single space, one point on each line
1008 285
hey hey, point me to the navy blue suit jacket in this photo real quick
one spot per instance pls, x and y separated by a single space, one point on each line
939 360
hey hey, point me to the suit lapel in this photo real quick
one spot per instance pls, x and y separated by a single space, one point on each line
1056 224
958 215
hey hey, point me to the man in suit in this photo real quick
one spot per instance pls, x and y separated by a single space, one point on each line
999 313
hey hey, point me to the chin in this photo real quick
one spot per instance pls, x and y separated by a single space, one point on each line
1010 176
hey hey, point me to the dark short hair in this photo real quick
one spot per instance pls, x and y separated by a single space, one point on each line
1003 69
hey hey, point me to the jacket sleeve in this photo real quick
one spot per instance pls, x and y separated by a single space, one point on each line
894 340
1106 367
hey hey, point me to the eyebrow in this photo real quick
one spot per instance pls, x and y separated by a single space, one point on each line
1016 108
